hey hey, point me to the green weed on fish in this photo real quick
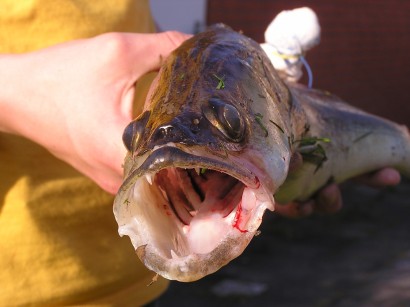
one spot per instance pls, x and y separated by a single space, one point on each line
200 171
258 118
311 141
221 82
312 151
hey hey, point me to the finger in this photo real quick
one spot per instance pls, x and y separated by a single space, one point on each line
154 49
295 209
384 177
328 199
146 53
296 161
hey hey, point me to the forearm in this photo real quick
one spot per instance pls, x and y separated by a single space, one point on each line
10 92
26 110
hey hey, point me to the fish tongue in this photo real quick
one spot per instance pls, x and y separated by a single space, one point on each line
206 230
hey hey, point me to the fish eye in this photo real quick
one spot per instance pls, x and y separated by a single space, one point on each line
133 132
226 118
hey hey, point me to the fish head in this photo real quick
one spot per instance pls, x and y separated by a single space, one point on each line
205 157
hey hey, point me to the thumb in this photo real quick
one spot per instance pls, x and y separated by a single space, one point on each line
153 49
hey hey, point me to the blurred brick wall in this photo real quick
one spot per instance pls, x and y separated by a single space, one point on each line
364 54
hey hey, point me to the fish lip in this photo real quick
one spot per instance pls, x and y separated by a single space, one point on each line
171 156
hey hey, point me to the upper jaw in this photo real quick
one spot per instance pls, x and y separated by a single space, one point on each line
172 156
165 244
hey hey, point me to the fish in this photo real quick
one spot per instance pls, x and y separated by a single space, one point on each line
214 147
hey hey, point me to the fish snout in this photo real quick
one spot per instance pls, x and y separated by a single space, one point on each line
189 129
173 132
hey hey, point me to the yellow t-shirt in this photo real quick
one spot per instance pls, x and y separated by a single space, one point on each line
58 238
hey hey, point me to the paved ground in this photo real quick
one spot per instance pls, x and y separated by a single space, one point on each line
359 257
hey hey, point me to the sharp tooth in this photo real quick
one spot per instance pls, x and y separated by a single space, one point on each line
185 229
193 213
174 255
149 178
198 170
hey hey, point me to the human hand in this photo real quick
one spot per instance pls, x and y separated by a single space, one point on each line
329 198
75 98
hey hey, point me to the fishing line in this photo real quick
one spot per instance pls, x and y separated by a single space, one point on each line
308 70
287 39
298 57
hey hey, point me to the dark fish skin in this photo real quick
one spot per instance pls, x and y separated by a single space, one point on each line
190 79
218 106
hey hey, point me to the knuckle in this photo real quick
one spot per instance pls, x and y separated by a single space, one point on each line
112 45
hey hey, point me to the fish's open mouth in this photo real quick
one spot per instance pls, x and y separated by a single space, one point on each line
188 215
195 192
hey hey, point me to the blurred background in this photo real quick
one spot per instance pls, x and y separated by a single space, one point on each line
360 256
363 54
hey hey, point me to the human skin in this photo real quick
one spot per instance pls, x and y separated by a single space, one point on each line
75 99
329 198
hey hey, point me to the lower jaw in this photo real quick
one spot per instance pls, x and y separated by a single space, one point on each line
194 266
